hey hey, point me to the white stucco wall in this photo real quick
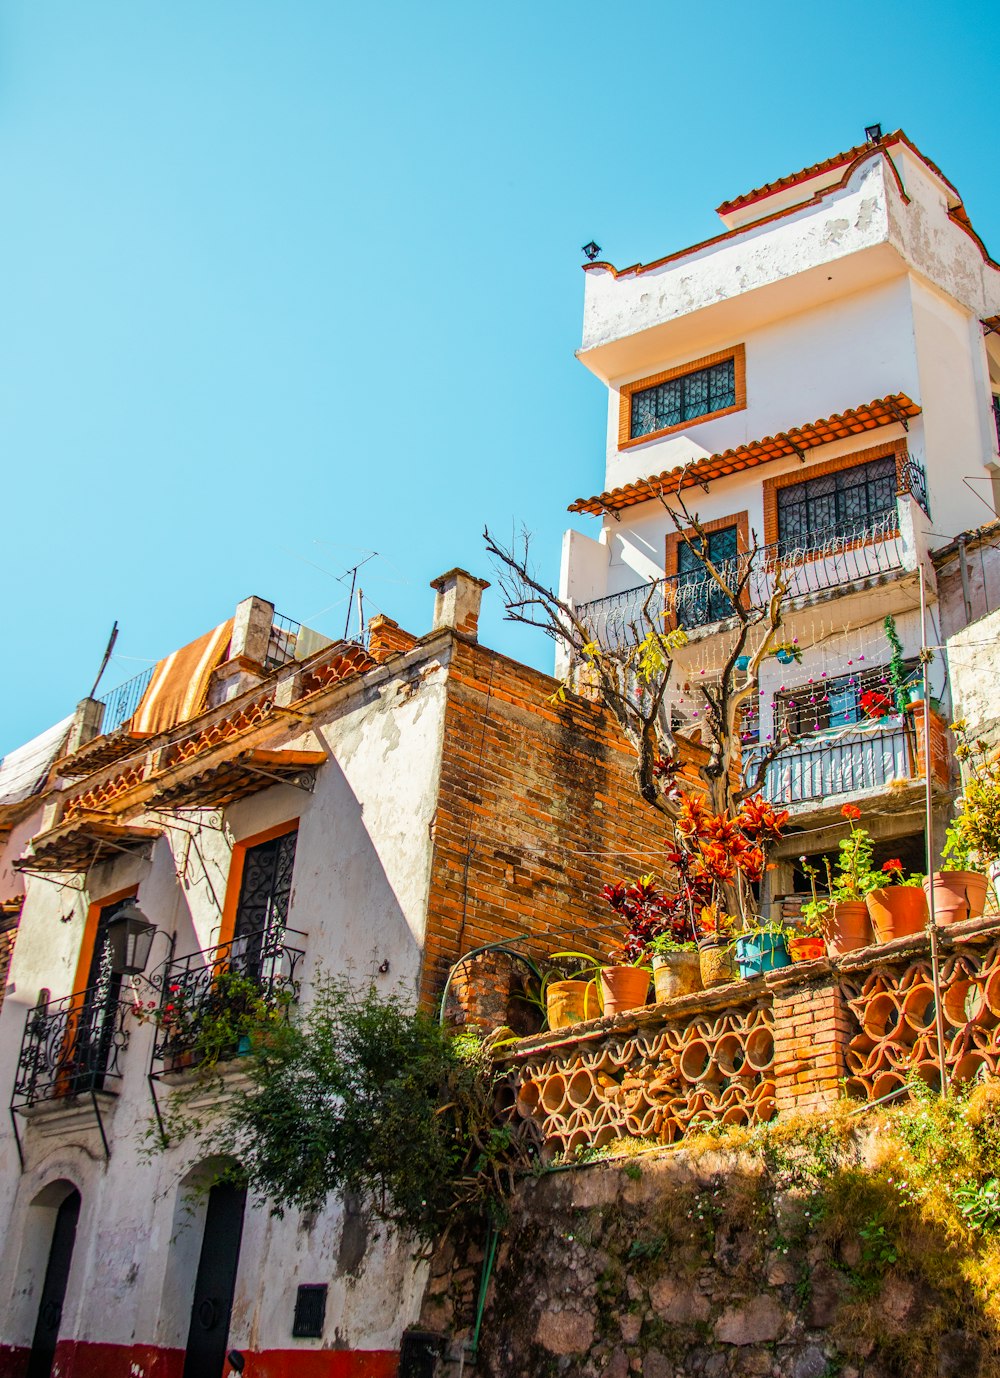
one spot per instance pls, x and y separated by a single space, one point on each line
360 888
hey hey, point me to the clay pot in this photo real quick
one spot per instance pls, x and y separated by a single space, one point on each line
676 973
718 965
897 911
623 988
807 948
958 895
571 1002
848 927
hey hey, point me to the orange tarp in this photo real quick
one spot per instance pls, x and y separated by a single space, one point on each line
179 684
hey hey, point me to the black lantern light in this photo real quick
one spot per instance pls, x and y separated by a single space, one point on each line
873 133
591 250
130 937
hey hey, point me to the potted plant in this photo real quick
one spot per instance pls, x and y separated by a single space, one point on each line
676 964
570 991
642 905
722 859
898 907
842 910
761 946
806 938
716 958
972 841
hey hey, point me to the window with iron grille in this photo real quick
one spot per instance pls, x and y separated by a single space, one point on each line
685 398
996 415
838 701
262 908
845 503
699 598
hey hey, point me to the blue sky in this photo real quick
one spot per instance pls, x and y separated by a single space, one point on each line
285 283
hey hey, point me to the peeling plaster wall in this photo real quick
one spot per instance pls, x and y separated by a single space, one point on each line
360 887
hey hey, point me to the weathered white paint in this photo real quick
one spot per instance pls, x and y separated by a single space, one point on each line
360 891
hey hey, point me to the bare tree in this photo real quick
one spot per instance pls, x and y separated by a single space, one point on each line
634 676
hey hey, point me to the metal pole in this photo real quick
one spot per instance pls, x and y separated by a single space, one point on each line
929 832
361 614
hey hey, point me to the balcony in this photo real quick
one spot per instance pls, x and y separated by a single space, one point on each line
839 559
73 1046
194 990
850 763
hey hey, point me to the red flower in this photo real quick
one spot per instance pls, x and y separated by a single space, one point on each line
874 704
851 811
894 867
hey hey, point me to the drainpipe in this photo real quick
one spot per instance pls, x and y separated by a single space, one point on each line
963 565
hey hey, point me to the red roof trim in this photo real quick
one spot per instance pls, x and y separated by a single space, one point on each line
867 151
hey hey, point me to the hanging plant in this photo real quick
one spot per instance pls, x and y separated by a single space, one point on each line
787 653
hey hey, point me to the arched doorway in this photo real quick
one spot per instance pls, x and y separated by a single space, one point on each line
50 1306
215 1282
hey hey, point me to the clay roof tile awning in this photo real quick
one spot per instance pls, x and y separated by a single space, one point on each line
884 411
78 845
234 778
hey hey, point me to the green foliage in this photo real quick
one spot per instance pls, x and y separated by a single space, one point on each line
980 1203
370 1096
974 836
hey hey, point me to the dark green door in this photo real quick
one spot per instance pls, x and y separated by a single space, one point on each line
43 1345
208 1333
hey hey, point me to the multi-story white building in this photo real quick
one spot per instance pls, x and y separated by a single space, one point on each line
820 380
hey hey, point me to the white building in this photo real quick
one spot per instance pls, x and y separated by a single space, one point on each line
823 375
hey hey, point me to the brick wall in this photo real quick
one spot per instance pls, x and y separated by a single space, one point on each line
8 934
538 810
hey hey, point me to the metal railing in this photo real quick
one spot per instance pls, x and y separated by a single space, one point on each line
121 703
281 642
846 764
833 559
71 1047
191 990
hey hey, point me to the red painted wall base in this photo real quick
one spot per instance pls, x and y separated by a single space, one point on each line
82 1359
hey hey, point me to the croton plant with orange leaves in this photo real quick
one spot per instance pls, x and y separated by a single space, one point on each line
720 859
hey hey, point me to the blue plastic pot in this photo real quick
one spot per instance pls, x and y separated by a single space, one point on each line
763 952
784 657
742 662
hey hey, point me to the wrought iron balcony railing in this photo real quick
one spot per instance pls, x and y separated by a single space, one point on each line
71 1047
193 988
121 703
822 768
837 558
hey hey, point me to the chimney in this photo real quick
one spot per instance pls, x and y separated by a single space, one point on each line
386 638
459 595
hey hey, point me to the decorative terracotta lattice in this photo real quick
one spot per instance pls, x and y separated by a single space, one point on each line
896 1029
656 1082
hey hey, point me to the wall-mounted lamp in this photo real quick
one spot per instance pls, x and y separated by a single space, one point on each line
130 937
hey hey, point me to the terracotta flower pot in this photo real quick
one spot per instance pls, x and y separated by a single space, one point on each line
676 973
570 1002
897 911
958 895
623 988
807 948
718 965
848 926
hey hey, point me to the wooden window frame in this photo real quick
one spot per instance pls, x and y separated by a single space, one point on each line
738 354
671 560
235 881
804 472
90 931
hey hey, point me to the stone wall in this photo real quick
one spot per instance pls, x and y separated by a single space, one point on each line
700 1263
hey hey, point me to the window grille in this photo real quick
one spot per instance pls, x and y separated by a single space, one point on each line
846 501
685 398
699 598
835 702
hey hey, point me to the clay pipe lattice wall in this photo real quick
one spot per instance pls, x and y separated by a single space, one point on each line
658 1082
895 1025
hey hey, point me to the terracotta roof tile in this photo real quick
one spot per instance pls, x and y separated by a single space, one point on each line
855 421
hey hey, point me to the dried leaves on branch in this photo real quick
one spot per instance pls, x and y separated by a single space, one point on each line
632 671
